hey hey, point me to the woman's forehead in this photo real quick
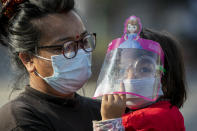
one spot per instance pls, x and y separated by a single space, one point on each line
59 26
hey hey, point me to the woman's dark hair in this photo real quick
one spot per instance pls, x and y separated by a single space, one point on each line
20 34
173 80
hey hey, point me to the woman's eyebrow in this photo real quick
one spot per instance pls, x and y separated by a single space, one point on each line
69 38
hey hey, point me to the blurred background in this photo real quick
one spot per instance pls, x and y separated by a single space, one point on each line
106 18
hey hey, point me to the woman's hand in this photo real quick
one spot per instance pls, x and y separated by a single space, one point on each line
113 106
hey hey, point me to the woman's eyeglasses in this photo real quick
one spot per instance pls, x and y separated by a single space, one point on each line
70 48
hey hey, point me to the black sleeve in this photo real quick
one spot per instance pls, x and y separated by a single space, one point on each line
94 107
20 116
31 128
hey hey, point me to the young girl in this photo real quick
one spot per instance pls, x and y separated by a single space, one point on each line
138 79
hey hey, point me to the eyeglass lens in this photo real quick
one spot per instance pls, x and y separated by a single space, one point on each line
70 48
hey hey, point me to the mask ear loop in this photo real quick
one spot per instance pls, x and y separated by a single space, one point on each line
36 52
37 74
43 58
161 68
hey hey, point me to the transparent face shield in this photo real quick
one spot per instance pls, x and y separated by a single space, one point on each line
133 67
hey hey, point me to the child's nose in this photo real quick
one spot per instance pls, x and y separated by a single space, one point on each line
131 74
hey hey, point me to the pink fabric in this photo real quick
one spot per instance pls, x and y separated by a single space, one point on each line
152 46
115 44
161 116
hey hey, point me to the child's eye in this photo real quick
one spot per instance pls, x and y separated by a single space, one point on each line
145 70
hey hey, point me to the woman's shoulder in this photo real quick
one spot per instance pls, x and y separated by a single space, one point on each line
12 112
13 106
19 113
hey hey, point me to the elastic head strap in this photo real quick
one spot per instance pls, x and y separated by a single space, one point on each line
161 68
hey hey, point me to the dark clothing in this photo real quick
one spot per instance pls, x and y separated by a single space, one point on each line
36 111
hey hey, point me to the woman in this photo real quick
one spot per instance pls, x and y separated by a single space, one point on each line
48 40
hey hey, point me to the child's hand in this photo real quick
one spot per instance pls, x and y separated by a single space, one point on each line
113 106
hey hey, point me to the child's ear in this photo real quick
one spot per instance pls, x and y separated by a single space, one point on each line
27 61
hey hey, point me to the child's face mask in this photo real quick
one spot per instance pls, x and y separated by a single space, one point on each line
141 90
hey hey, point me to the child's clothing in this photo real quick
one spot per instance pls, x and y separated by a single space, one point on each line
161 116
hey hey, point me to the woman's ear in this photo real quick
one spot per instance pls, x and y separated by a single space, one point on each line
27 61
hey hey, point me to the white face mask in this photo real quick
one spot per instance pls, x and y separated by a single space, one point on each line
142 89
69 75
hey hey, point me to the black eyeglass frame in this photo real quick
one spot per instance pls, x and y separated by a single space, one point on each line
80 40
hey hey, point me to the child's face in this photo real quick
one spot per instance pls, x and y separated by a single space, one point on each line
142 68
132 26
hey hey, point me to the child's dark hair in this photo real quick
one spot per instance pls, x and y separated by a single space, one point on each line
173 81
20 34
